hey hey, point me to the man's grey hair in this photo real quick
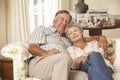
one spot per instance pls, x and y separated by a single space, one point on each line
63 11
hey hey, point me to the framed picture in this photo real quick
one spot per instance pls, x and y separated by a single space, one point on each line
82 19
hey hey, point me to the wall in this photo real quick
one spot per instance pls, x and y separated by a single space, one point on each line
112 5
2 23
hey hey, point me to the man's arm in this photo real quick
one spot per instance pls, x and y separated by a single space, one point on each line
91 38
37 51
102 41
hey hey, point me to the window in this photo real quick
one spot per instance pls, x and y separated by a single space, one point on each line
42 11
36 10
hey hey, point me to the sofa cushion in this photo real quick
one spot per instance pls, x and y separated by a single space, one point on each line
116 76
32 78
78 75
110 49
16 50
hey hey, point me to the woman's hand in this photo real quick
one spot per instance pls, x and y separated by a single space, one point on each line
77 62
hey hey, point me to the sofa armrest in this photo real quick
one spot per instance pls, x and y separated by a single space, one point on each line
16 50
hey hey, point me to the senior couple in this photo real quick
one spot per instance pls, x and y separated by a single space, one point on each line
56 54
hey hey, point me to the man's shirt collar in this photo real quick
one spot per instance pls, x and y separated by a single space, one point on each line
52 28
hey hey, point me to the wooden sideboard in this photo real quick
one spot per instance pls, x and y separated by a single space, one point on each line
97 30
6 69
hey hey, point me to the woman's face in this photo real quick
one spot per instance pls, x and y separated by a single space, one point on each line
74 34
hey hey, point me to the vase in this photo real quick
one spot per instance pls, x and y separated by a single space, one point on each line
81 7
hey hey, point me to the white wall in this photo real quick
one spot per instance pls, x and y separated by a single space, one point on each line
112 5
114 9
2 23
112 33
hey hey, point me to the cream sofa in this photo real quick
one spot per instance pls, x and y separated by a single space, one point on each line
18 51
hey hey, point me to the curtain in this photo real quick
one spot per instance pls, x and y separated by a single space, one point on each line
64 4
17 20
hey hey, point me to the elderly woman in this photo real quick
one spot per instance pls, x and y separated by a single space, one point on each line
87 56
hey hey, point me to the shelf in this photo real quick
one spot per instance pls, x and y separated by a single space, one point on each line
97 30
88 28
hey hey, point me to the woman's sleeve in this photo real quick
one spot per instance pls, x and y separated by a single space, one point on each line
70 52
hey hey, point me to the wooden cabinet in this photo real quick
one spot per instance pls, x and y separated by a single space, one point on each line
6 66
97 30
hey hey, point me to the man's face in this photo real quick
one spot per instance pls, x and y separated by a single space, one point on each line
61 21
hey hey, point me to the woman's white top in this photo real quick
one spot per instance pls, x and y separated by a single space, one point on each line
91 46
75 52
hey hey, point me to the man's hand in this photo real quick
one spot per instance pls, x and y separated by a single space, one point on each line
103 43
53 51
36 50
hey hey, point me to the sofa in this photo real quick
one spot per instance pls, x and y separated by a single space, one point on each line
18 51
